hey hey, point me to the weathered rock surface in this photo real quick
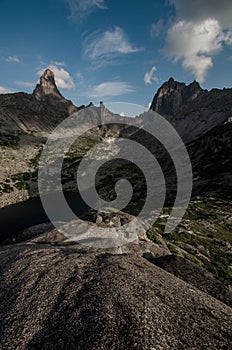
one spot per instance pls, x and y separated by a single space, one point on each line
73 298
194 275
47 86
191 110
172 95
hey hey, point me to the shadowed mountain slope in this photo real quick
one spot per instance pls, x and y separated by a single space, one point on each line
40 111
56 294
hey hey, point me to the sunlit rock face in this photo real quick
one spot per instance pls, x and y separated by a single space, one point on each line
47 86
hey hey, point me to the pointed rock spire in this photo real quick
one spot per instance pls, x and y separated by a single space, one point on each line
47 86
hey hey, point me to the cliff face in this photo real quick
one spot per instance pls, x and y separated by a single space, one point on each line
47 86
172 95
190 109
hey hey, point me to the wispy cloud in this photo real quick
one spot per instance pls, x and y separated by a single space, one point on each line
5 90
157 28
200 31
110 88
58 63
25 84
63 78
151 76
82 8
14 59
103 48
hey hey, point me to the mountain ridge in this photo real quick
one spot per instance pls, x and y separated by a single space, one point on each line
173 94
153 293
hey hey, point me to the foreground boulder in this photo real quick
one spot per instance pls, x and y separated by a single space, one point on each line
69 297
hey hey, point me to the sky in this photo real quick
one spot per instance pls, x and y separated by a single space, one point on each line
115 51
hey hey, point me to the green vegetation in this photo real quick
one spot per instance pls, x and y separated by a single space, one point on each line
173 249
192 259
219 265
204 236
10 141
5 188
19 181
151 235
82 145
34 162
178 236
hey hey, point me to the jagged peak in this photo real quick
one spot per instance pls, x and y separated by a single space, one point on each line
173 94
174 83
47 86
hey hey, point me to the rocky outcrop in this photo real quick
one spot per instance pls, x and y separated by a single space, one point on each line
190 109
47 86
40 111
74 298
194 275
172 95
203 120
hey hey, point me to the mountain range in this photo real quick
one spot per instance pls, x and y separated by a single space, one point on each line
163 291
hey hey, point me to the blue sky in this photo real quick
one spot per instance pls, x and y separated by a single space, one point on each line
115 50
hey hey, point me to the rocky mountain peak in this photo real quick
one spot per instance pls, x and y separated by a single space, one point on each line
172 95
47 86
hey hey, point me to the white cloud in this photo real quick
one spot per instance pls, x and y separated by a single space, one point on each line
82 8
198 65
5 90
108 89
192 38
25 84
14 59
58 63
194 43
200 32
104 47
151 76
62 77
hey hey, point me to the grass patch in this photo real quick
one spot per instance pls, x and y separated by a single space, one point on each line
178 236
34 162
219 265
19 181
192 259
5 188
153 237
172 249
10 141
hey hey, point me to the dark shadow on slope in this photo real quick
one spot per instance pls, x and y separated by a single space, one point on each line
194 275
